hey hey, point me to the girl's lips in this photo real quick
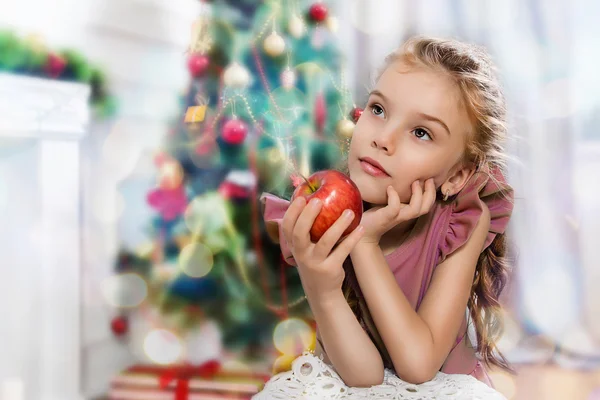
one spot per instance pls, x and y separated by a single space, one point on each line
371 169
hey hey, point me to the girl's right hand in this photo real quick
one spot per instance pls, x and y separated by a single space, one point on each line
319 265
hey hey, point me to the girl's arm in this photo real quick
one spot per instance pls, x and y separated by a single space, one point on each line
348 347
419 342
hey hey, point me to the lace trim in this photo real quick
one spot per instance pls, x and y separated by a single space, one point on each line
311 378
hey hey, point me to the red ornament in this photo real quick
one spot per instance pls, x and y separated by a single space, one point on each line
198 65
55 65
119 325
356 113
318 12
234 131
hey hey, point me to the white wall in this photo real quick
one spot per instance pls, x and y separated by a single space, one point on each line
140 45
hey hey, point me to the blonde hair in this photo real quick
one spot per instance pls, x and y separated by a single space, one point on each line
471 69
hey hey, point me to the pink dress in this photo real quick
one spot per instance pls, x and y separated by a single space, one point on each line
434 237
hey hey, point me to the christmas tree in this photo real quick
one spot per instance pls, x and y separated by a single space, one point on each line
266 104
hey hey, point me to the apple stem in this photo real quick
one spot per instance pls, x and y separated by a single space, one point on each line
312 189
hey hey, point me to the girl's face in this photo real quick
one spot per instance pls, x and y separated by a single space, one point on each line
414 127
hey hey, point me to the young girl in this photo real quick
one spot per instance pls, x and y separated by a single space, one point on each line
393 300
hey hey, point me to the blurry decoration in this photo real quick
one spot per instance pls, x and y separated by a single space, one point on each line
234 131
30 56
198 64
356 113
345 128
283 363
274 44
187 381
55 65
236 76
296 26
332 24
201 41
197 112
320 112
170 203
238 185
288 78
170 175
318 12
119 325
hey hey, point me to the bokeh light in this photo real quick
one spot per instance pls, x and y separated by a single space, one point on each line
206 214
125 290
292 336
196 260
162 346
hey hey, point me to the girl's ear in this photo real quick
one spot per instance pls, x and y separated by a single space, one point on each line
458 179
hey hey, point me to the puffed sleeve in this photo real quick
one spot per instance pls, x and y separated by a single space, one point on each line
274 209
489 187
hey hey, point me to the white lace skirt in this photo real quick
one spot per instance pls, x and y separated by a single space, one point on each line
311 378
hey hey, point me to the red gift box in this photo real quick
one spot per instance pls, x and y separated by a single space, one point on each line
185 382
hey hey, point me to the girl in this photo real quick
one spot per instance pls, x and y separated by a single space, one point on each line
393 299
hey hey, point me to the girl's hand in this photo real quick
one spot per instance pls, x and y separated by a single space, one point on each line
379 220
319 265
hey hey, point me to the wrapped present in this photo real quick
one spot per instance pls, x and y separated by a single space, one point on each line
195 114
185 382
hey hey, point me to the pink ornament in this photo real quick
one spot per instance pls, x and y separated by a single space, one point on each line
320 112
55 65
170 203
198 64
595 394
234 131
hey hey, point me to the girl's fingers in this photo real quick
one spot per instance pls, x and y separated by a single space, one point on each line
416 199
290 217
429 197
333 234
301 231
342 251
394 204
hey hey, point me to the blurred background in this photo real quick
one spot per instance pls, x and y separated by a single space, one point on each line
136 137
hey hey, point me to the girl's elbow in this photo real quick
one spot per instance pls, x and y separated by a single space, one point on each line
418 375
366 381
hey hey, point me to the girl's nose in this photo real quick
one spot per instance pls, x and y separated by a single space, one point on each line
385 140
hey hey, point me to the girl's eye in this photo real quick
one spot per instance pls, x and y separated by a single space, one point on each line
377 110
422 134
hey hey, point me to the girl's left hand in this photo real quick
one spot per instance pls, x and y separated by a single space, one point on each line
378 220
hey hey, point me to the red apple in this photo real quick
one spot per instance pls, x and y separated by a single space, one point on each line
337 193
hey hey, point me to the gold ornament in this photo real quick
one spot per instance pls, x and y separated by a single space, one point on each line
274 44
296 26
236 75
345 128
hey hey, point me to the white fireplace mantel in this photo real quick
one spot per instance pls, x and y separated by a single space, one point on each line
41 124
